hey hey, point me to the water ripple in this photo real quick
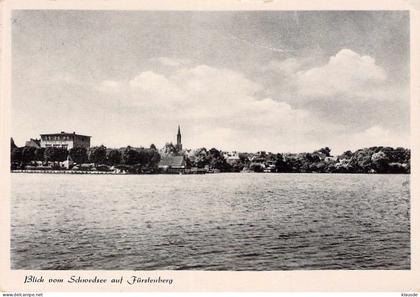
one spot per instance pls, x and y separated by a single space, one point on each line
210 222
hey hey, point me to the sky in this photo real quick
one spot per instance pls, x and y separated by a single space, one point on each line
235 80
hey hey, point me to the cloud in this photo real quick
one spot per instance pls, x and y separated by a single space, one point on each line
288 67
219 104
355 87
347 73
149 84
173 62
373 136
224 108
378 135
347 76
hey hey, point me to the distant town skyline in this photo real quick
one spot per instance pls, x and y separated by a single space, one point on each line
246 81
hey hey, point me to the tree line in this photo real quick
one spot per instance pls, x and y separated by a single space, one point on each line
99 155
376 159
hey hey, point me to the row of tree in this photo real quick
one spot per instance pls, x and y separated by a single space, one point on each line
213 159
21 156
377 159
368 160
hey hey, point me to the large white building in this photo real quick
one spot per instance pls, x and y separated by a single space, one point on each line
65 140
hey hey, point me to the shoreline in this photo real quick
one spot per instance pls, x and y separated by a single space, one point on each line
65 172
186 173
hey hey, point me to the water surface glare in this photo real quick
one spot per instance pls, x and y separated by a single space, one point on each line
210 222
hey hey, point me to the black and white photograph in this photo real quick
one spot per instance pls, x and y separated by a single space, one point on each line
243 140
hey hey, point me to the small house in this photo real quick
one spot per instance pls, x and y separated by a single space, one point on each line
172 164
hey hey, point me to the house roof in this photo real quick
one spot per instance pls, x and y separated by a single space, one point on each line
64 134
172 161
34 143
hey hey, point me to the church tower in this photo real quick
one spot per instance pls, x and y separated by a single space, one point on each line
178 140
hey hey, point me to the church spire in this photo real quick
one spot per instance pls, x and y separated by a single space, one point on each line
178 139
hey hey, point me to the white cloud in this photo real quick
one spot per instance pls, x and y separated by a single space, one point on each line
378 135
223 108
373 136
220 107
173 62
346 74
287 67
155 84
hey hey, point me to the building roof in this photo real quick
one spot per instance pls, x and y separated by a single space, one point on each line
33 143
62 133
172 161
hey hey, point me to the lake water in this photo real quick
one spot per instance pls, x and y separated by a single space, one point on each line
210 222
